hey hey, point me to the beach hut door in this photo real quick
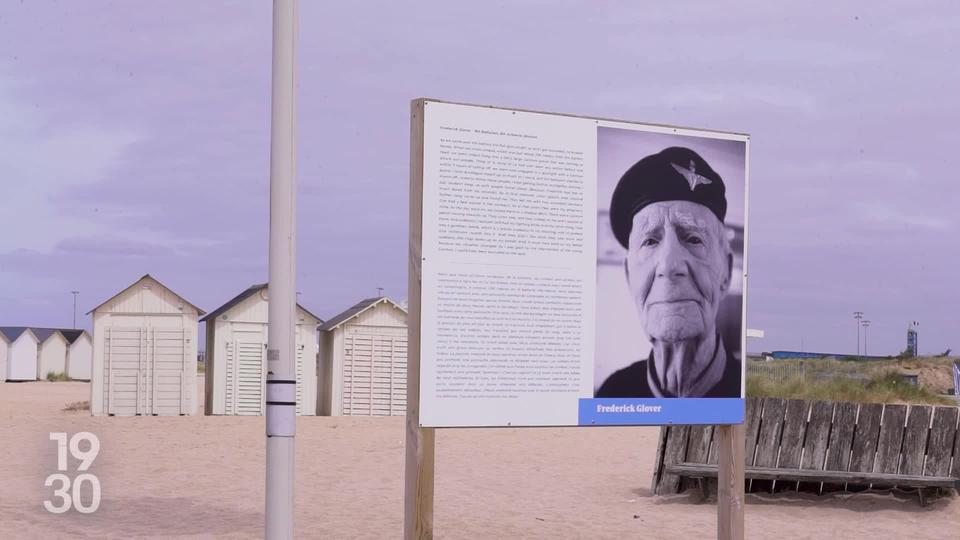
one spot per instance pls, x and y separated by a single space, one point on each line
125 383
299 375
246 378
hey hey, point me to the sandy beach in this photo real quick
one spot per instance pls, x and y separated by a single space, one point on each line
202 477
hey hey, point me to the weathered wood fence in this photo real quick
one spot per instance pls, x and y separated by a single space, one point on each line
810 444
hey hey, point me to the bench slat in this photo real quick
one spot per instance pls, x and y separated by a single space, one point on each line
794 424
865 436
698 446
891 439
940 446
915 440
697 470
673 452
818 432
771 424
841 436
955 470
752 426
658 464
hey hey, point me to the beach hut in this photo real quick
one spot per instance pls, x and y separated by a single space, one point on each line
52 352
236 356
21 353
79 354
4 347
363 360
144 352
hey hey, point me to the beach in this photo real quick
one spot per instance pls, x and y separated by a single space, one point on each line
203 477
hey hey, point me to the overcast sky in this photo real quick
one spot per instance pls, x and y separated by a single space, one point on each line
134 138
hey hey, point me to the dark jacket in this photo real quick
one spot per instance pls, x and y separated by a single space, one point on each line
632 381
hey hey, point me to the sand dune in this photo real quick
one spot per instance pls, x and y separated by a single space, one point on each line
202 477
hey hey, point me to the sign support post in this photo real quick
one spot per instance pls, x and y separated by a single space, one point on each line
418 471
730 482
281 420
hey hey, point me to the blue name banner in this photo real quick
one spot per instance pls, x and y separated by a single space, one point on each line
653 412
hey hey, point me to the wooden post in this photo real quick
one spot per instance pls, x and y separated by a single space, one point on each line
418 470
418 491
730 482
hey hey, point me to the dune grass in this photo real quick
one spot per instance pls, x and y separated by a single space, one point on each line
55 376
77 406
881 387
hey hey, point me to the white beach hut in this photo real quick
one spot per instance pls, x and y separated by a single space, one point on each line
4 350
363 360
236 359
144 352
21 353
79 354
52 352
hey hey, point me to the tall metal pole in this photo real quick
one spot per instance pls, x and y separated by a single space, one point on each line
916 338
858 315
866 324
74 293
281 374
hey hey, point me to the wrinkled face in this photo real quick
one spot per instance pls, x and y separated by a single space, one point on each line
678 268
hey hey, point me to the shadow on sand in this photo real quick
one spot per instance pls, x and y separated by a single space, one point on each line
151 516
862 501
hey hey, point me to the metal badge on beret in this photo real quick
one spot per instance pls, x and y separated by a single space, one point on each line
673 174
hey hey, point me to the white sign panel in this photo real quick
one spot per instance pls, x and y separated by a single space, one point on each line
578 271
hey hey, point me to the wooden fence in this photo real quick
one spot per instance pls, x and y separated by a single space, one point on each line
847 443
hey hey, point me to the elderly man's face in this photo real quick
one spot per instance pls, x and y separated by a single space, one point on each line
677 269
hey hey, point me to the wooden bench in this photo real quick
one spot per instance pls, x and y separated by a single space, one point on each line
843 445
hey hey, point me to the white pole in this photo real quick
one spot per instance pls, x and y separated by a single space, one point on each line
74 293
281 374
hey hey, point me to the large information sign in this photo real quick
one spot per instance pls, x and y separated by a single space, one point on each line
579 271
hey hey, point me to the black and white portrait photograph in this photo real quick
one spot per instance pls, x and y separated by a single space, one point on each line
670 227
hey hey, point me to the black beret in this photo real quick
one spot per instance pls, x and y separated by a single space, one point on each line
673 174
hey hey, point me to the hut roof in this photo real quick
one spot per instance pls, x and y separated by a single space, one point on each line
356 310
250 291
132 285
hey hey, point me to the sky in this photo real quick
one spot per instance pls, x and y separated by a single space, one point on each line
134 139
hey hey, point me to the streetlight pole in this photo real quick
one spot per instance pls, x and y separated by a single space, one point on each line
858 315
74 293
281 374
866 324
916 338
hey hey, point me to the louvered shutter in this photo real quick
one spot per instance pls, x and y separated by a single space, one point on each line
249 392
374 375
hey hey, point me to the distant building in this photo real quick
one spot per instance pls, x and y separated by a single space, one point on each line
144 353
236 359
20 344
363 360
912 332
51 353
788 355
79 354
58 350
4 350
